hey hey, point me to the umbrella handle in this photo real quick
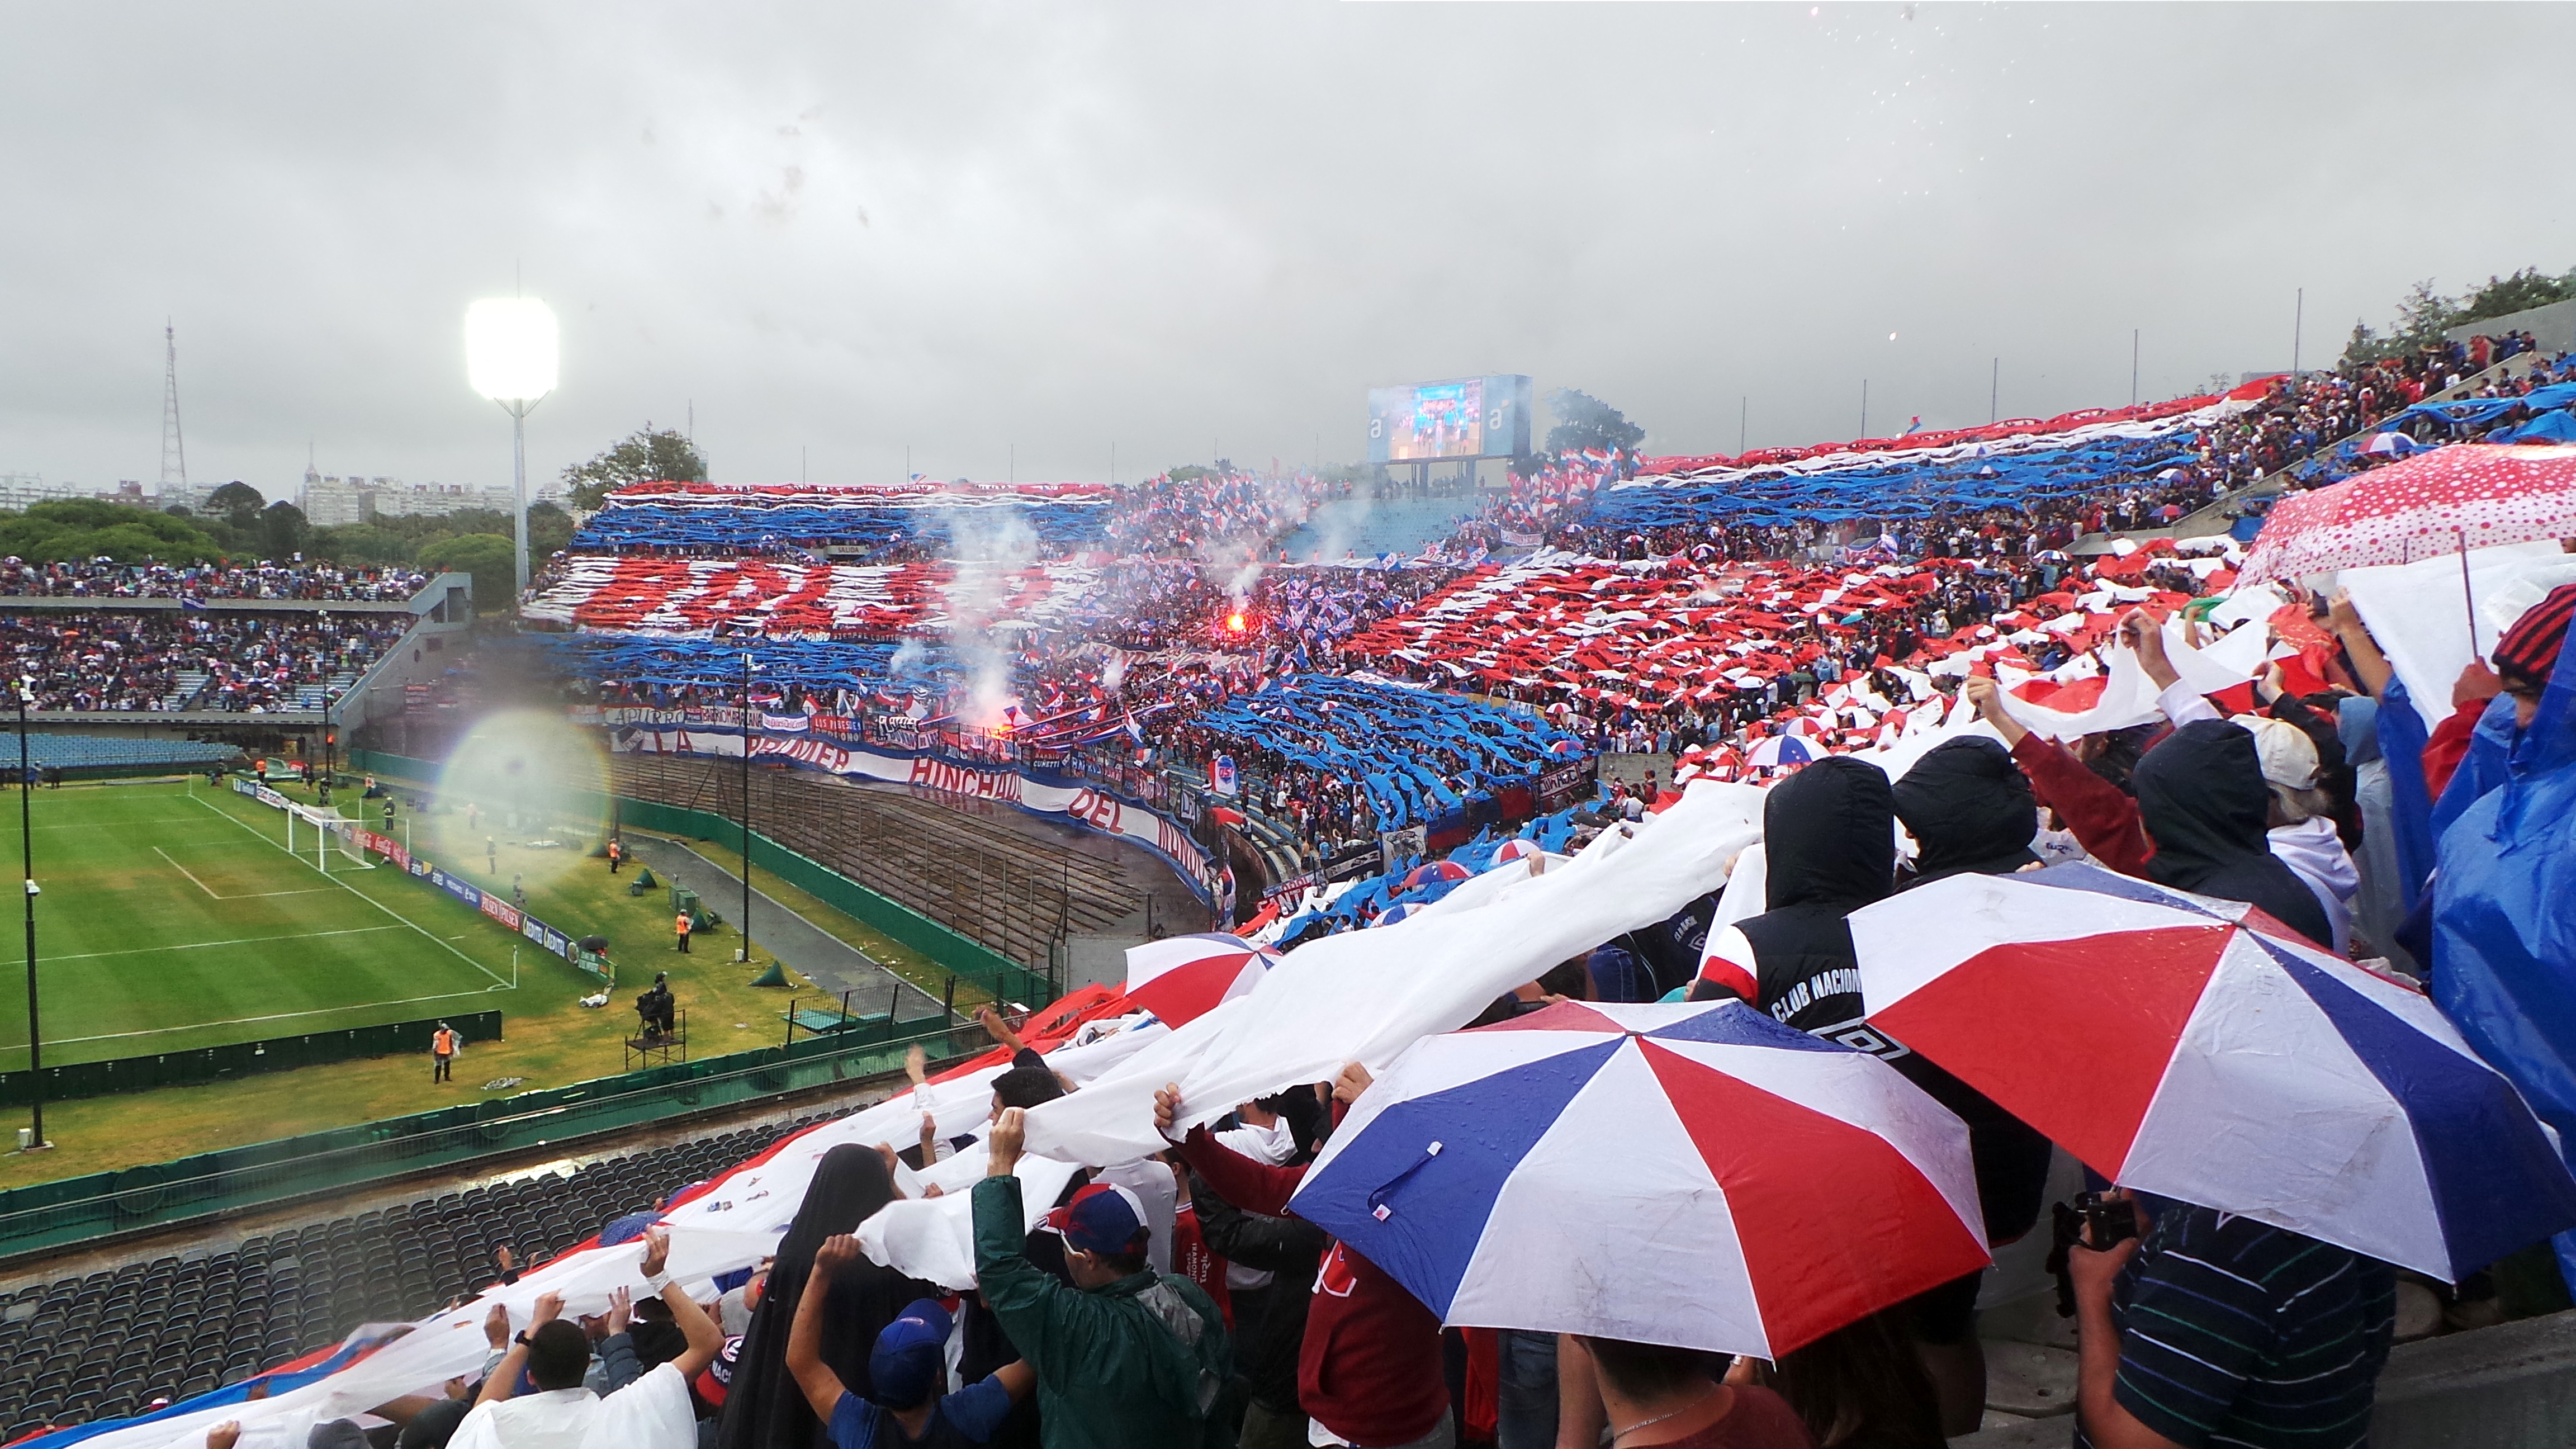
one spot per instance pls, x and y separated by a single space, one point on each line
2468 596
1378 1208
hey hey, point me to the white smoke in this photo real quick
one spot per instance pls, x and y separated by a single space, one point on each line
989 546
1341 520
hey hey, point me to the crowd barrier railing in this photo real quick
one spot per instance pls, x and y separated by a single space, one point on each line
72 1081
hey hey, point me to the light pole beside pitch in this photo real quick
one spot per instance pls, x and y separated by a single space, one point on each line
27 867
511 355
747 667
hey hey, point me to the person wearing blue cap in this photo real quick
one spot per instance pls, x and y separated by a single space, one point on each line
908 1372
1125 1356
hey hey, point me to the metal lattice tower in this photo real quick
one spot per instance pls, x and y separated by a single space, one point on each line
174 450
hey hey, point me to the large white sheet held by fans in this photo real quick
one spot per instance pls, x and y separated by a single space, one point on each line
2418 612
1367 995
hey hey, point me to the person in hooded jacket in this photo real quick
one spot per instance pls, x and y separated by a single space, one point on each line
1971 812
765 1407
1829 838
2203 801
2199 822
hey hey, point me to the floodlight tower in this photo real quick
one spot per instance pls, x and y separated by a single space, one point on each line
511 353
174 450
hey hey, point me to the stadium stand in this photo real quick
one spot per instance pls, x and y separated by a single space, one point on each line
96 756
106 1344
980 878
318 581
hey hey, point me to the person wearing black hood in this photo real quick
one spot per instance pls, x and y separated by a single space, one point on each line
2199 822
1970 809
1829 838
764 1407
2203 802
1971 812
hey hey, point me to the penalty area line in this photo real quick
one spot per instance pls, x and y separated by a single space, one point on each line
362 895
202 945
245 896
253 1020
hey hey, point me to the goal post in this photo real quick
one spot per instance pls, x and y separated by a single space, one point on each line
329 830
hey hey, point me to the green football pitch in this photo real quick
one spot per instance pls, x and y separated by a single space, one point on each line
172 915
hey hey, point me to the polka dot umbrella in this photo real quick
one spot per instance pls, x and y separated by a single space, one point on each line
2445 501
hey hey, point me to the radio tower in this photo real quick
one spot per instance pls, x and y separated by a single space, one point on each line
174 451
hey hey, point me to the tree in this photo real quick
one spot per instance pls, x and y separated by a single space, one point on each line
549 529
2527 288
282 530
360 545
646 456
239 502
1587 424
487 556
86 528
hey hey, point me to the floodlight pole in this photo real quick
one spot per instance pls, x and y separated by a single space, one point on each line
745 957
517 408
27 868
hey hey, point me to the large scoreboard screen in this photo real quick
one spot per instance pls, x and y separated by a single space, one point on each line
1466 417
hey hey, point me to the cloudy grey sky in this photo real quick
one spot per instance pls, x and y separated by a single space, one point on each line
967 229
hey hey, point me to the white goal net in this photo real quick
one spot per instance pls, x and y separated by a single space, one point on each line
325 831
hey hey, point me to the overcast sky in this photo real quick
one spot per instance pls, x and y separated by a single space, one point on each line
1008 236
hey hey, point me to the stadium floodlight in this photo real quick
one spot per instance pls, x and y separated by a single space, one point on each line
25 690
512 349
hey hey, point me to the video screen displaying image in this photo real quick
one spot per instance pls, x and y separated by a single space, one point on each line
1436 420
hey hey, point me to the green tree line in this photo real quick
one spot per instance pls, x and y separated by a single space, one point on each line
241 525
2424 314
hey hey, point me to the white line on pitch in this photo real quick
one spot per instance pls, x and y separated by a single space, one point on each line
353 890
202 945
247 1020
245 896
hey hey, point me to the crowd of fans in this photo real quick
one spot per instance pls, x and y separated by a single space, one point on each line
1182 1299
297 579
244 662
1218 514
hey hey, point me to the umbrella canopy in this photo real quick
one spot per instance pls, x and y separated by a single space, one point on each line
1515 849
2195 1048
2392 444
1182 978
1438 870
1746 1187
1778 750
2487 494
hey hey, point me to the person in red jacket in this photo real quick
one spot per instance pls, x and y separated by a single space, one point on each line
1369 1372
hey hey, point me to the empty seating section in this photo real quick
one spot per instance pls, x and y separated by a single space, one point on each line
106 1345
110 754
980 878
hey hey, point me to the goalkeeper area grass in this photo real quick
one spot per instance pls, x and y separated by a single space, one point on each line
172 916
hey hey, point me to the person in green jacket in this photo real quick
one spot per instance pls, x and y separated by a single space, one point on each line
1126 1358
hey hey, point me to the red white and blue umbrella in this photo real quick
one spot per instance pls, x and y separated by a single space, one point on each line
1182 978
1774 751
1438 870
1746 1187
2198 1049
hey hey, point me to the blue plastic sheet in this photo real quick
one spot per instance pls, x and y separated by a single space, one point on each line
1901 486
1381 736
2504 904
1058 529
